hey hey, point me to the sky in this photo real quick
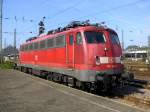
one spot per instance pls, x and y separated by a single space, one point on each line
130 16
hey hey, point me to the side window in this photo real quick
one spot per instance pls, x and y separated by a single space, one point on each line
30 46
26 47
42 44
71 39
60 41
36 45
78 38
50 42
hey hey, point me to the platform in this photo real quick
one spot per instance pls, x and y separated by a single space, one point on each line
21 92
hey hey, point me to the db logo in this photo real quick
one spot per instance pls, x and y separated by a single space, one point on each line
111 60
36 57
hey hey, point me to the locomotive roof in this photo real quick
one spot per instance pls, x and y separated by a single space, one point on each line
80 28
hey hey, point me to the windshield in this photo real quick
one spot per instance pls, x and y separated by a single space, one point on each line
94 37
114 38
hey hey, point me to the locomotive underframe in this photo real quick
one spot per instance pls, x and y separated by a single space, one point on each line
90 79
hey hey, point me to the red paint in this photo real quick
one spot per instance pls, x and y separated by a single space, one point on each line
74 56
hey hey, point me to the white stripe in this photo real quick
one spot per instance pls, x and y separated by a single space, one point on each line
104 60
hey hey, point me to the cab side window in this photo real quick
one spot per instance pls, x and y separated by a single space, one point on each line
71 39
78 38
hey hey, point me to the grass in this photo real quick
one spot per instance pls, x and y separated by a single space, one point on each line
6 65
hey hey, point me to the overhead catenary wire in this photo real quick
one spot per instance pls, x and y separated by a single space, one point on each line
74 6
104 11
100 12
79 2
59 12
114 8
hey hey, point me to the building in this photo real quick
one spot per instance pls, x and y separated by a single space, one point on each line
137 54
10 54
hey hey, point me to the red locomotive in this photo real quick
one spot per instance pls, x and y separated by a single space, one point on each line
80 54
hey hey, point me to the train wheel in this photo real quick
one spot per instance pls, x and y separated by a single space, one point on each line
92 87
83 86
88 87
74 82
49 77
71 82
65 80
30 71
26 70
80 85
107 87
21 69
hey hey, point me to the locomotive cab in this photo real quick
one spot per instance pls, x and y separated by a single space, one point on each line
104 55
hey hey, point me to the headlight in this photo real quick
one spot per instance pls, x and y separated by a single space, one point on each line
101 60
97 60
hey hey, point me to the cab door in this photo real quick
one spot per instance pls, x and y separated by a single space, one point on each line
70 50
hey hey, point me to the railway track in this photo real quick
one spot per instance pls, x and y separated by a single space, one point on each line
139 83
138 101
